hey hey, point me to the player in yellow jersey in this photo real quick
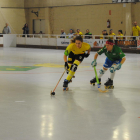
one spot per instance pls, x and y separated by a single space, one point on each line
76 52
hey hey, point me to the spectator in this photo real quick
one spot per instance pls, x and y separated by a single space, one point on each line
89 34
70 34
135 30
120 33
25 29
78 33
111 33
6 29
40 32
101 36
62 34
105 34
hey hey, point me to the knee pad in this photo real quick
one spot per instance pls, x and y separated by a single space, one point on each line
113 68
73 67
101 71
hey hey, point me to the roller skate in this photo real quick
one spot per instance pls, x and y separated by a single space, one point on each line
93 81
65 85
109 84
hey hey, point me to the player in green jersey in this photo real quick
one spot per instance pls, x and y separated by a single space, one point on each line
114 60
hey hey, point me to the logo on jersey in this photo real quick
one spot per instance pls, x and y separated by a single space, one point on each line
80 57
114 53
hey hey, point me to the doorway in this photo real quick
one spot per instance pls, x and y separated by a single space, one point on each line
38 26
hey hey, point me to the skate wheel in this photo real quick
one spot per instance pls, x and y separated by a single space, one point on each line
112 87
92 84
109 87
65 89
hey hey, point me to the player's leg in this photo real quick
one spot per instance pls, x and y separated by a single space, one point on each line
78 59
73 69
71 59
102 71
109 83
70 74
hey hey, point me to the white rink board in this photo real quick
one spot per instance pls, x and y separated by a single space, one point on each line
63 42
9 40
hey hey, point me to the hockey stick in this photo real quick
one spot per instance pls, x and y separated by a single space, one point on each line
53 93
98 82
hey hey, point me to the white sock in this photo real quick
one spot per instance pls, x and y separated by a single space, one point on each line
112 75
101 72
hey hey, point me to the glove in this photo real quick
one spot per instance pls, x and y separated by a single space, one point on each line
87 55
94 63
118 66
115 67
66 66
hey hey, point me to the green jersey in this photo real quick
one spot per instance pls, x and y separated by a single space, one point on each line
115 54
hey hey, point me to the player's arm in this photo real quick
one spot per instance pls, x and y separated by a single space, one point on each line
88 52
122 56
66 53
123 60
65 58
95 56
94 63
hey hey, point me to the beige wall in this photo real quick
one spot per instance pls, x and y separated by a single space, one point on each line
11 3
14 17
93 17
135 13
89 17
43 14
52 3
11 14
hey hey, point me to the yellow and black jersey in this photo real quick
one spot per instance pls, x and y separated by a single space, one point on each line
72 47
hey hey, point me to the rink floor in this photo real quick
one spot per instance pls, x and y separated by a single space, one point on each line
28 112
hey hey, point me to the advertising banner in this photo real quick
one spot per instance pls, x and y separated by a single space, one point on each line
124 1
126 43
138 44
99 43
89 41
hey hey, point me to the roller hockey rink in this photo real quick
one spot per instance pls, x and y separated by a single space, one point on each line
29 112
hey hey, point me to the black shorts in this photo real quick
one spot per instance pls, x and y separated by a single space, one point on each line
72 57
